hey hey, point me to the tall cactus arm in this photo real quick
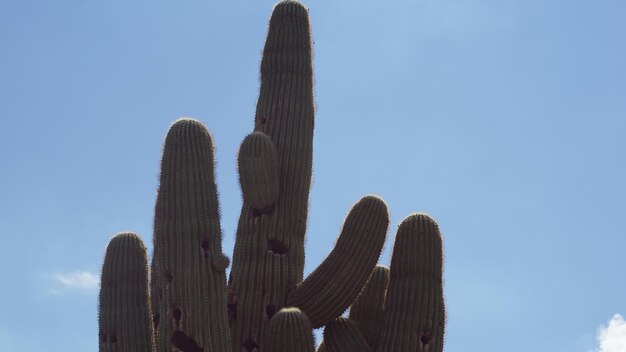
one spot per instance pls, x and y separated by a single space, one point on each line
414 315
124 310
269 249
189 273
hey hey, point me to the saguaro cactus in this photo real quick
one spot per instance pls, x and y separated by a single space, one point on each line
124 312
266 305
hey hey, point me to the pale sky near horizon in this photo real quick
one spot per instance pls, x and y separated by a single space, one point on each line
504 120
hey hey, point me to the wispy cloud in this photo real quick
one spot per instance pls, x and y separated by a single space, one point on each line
612 338
78 280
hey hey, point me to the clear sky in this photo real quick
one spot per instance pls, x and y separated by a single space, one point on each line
503 119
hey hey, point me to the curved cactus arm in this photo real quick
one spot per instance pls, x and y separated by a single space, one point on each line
189 278
330 289
367 309
269 251
124 310
289 331
343 335
414 316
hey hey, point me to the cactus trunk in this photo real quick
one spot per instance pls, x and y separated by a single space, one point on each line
269 251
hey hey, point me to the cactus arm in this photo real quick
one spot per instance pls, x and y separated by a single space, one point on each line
258 172
124 310
414 315
330 289
189 277
342 335
269 251
367 309
289 331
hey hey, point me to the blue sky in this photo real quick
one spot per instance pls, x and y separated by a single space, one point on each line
504 120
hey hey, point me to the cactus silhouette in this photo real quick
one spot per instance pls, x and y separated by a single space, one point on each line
189 278
267 304
124 317
414 316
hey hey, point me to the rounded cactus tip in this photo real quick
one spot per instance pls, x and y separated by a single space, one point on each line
374 202
185 124
220 262
290 310
187 128
293 315
186 121
380 269
422 220
125 237
290 6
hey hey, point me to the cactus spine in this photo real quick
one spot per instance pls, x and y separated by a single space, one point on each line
124 311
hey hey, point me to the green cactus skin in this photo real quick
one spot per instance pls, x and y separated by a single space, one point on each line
414 317
124 311
189 268
367 309
330 289
155 301
269 250
342 335
258 172
289 331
